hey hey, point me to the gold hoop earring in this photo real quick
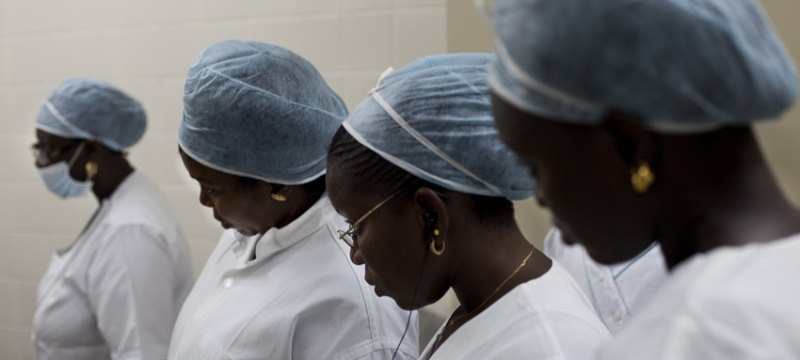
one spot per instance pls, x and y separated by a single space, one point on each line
278 197
642 178
434 250
91 169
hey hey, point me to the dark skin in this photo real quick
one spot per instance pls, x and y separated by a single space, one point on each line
113 167
391 246
247 205
712 189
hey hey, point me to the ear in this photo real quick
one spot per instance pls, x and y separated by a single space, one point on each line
267 190
426 201
264 191
93 147
280 189
634 143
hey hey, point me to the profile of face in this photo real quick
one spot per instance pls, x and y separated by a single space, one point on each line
51 149
583 175
246 206
390 242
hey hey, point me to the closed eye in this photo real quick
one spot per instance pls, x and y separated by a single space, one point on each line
209 192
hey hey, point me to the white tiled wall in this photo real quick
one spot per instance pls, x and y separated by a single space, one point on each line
146 47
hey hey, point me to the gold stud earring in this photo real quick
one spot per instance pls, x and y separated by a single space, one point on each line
91 169
434 250
642 177
278 197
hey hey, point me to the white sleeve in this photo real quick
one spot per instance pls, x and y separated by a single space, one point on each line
713 330
132 289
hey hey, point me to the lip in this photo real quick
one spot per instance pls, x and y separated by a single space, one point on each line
369 281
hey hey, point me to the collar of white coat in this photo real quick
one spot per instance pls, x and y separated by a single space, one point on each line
126 186
304 226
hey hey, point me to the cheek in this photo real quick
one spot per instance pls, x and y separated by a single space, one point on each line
599 209
239 209
389 254
77 172
575 191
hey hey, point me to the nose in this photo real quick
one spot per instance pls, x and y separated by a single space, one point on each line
355 256
205 200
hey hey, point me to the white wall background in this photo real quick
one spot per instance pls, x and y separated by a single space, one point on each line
146 47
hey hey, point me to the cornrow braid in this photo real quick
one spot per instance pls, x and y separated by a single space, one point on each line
367 167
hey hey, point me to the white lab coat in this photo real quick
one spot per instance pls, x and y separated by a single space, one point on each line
116 292
619 291
547 318
733 303
299 298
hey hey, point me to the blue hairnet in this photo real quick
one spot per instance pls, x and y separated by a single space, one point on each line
678 65
258 110
89 109
433 119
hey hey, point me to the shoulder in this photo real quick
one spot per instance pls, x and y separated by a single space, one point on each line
734 303
547 317
137 201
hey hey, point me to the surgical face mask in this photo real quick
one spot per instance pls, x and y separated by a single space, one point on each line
57 178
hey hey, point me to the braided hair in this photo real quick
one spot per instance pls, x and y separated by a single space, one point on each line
365 167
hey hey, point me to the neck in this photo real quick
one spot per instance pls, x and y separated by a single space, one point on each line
490 258
727 197
113 171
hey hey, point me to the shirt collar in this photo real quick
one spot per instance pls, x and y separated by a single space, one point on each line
308 223
124 187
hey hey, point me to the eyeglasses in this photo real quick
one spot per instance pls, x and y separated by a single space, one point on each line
44 154
349 236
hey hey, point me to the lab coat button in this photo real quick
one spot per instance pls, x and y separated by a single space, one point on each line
228 282
601 278
618 316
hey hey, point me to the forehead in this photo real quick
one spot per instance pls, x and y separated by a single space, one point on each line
45 137
349 196
206 174
519 130
534 136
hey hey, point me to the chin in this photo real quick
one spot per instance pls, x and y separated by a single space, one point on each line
609 257
247 232
406 305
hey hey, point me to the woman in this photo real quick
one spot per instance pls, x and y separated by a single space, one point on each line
419 171
116 291
256 126
635 118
